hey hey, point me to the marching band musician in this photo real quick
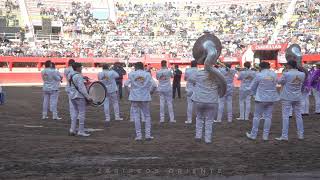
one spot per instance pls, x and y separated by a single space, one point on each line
315 84
264 87
108 78
291 93
50 78
305 103
55 94
246 77
67 72
228 74
189 89
152 90
209 84
78 95
163 76
140 83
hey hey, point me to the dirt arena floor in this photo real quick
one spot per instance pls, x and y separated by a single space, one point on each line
31 148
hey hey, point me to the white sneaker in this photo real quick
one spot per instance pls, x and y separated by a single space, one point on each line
148 138
173 121
281 138
300 137
138 139
250 136
188 122
83 134
216 121
72 133
239 119
118 119
45 117
161 120
57 118
265 138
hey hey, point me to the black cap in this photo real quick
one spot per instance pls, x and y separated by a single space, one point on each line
76 65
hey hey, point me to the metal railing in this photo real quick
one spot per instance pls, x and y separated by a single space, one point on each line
10 36
50 38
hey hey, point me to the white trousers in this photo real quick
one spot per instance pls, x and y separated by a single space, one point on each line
52 98
189 109
143 106
113 98
222 101
54 104
166 97
205 115
316 95
45 105
71 108
245 106
140 115
296 106
265 109
305 103
79 106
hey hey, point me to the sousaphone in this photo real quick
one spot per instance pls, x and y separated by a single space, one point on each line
206 50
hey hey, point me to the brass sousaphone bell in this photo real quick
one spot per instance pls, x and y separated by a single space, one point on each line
293 52
206 50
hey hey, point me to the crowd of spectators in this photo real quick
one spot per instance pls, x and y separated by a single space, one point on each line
169 28
11 5
304 27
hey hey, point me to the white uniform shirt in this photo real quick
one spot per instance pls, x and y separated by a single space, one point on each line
164 77
49 77
205 89
246 77
264 86
67 73
108 78
291 82
78 81
189 72
229 76
57 82
140 83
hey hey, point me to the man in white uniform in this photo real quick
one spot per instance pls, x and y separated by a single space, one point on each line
246 77
140 83
205 98
108 78
165 90
228 74
49 77
67 72
153 88
189 89
264 87
291 93
55 94
79 95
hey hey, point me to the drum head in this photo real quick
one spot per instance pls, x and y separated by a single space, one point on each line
98 92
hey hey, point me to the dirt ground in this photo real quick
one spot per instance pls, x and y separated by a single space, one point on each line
31 148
